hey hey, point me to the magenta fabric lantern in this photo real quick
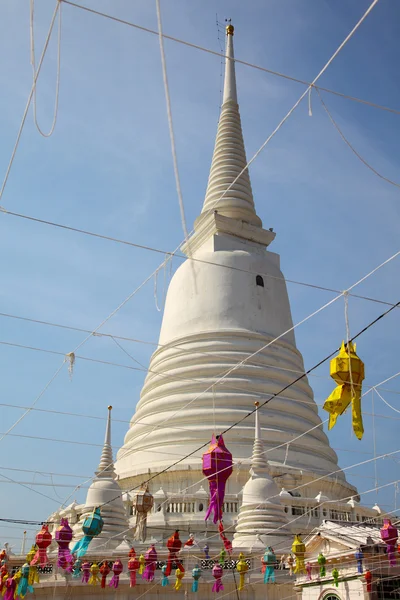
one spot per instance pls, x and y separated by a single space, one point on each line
389 535
217 467
63 537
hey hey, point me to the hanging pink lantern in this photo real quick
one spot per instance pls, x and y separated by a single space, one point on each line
63 537
151 563
217 467
117 568
389 535
217 574
43 541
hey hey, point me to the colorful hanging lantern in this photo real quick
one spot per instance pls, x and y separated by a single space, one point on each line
359 558
133 566
308 571
217 574
4 575
179 575
150 560
222 557
389 535
217 467
85 572
76 569
206 550
196 574
290 563
10 586
347 370
368 579
321 561
299 550
227 543
63 537
335 575
94 574
33 571
242 568
104 571
117 568
269 562
190 542
143 503
92 526
23 585
174 545
43 541
3 556
142 564
165 580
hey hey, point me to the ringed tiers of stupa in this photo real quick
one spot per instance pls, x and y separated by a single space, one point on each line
226 342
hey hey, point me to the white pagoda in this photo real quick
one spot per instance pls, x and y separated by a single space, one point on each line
226 341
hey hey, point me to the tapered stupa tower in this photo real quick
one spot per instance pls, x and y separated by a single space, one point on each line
223 313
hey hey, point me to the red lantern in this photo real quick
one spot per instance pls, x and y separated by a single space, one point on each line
133 566
217 467
104 571
174 545
368 579
389 535
43 541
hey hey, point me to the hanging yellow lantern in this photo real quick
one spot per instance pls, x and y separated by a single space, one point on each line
347 370
299 550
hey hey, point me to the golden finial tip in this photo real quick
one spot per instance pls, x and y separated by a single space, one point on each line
257 404
230 29
109 407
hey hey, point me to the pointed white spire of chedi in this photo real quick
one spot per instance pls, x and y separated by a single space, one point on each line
106 493
262 520
229 157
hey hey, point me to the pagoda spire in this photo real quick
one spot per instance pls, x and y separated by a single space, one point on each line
229 157
106 464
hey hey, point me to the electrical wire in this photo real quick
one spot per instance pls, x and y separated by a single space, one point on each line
346 141
183 257
236 60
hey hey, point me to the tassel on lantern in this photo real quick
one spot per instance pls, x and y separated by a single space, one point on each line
94 574
133 566
76 569
242 568
321 561
227 543
104 571
23 585
150 560
179 575
217 573
335 575
10 586
359 558
63 537
3 576
165 580
174 545
389 535
308 571
85 572
217 467
196 574
43 541
347 370
222 557
117 568
206 550
269 562
92 526
368 579
33 571
299 550
142 563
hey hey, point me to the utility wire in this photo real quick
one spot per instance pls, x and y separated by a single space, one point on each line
237 60
183 257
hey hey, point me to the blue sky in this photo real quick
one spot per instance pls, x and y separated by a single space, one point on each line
108 168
